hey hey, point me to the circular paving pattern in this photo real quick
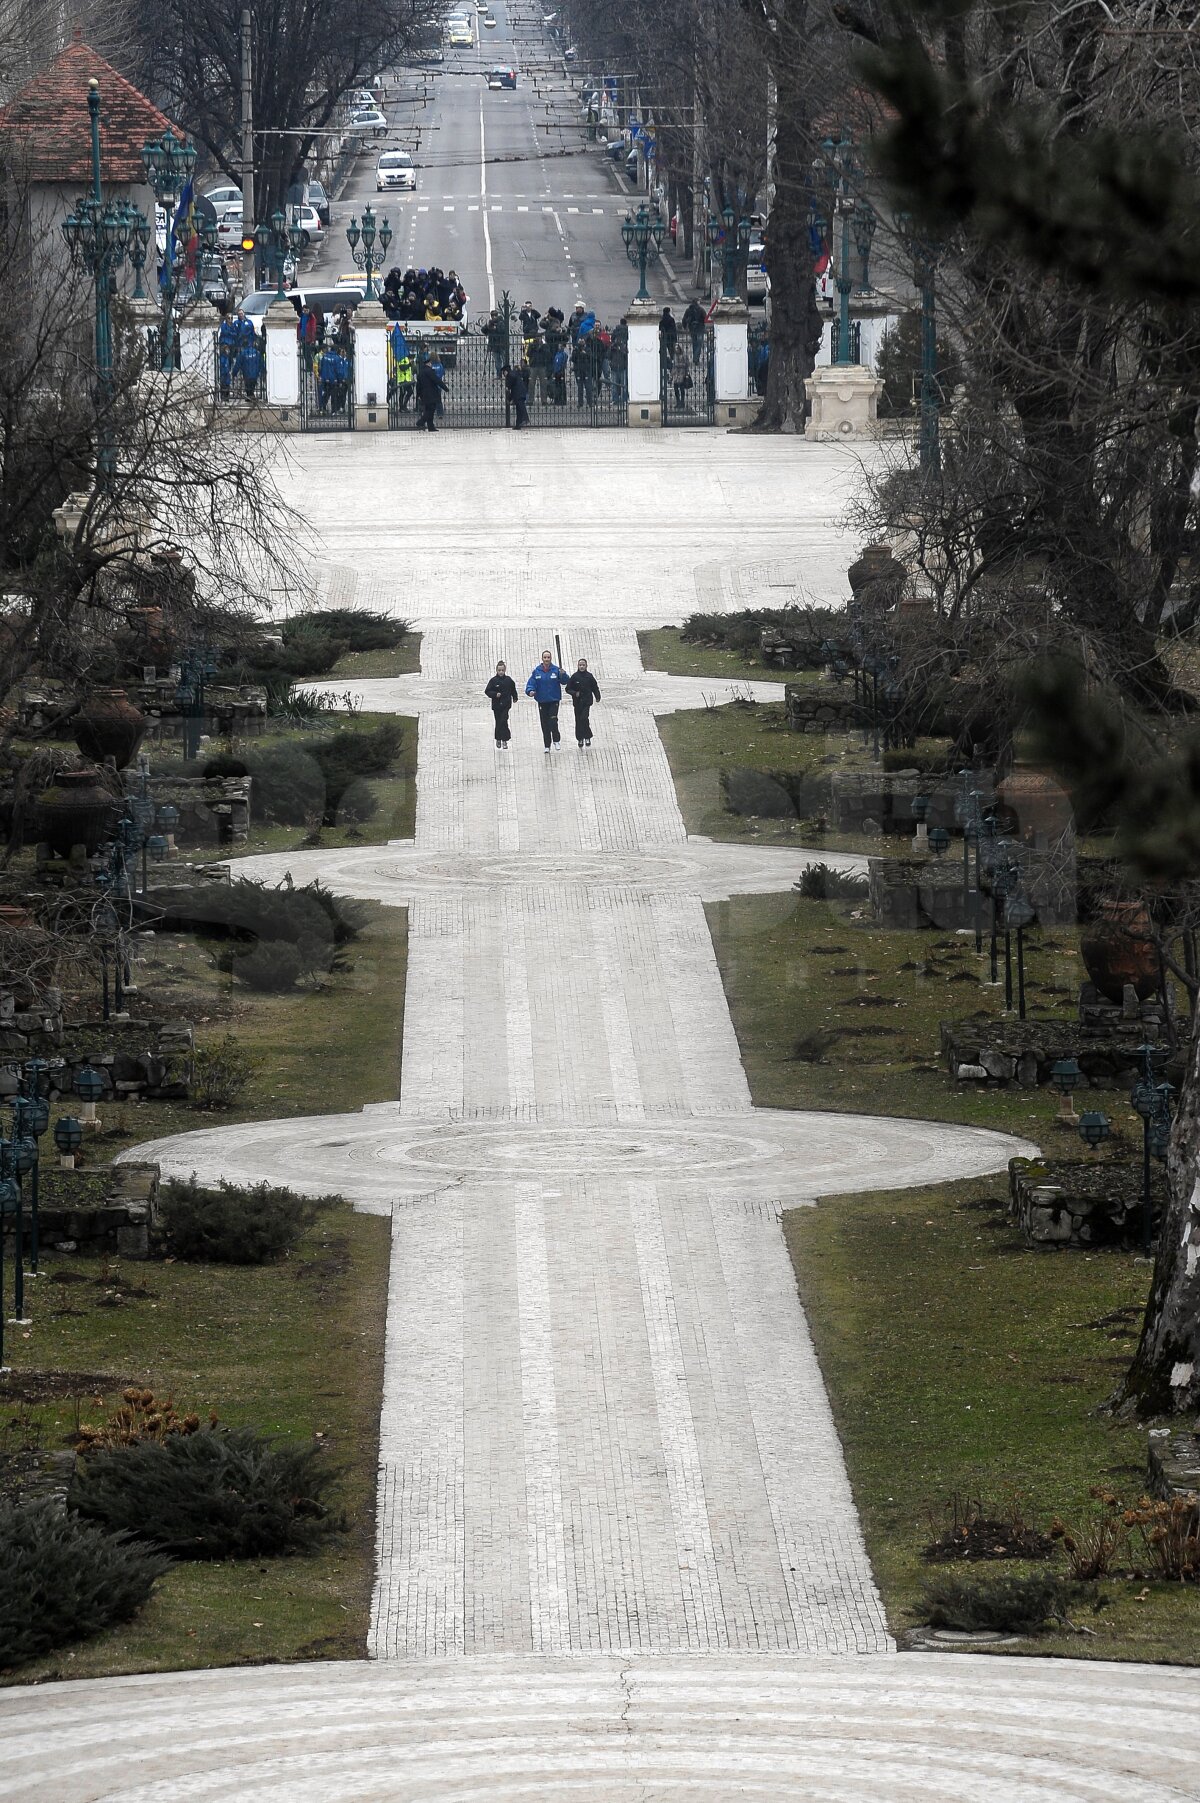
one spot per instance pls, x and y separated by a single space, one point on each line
761 1154
920 1728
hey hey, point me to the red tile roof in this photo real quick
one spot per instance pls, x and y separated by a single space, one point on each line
47 134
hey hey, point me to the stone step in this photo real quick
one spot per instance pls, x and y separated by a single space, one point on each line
941 1728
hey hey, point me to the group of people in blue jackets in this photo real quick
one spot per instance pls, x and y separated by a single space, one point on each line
547 684
239 358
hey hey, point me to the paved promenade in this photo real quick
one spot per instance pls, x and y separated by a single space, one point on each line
617 1552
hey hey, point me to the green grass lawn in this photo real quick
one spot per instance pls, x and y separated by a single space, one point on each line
294 1349
702 743
405 660
664 649
958 1362
835 1012
395 794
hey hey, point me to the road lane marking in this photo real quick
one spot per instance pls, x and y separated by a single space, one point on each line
487 230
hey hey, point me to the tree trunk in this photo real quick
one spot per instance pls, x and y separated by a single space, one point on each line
795 320
1164 1378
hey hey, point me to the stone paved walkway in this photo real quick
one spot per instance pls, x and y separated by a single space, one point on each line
603 1428
618 1557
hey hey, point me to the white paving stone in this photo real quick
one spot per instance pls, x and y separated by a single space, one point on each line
617 1551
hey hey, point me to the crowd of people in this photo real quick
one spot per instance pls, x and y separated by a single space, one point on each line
547 685
548 359
423 294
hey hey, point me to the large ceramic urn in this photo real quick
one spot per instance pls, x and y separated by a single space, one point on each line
109 726
78 809
1115 953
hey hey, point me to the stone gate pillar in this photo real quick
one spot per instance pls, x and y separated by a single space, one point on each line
370 366
645 374
283 361
734 404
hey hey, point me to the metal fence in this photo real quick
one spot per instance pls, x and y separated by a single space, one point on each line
326 389
688 381
589 391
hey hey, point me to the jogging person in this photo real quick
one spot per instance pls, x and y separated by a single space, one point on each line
501 691
583 689
545 686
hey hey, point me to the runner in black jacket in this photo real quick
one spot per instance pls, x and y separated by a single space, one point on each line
501 691
583 689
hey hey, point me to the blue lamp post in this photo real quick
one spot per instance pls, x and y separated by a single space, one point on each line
642 237
1153 1102
97 237
10 1206
89 1087
68 1137
837 164
366 233
169 163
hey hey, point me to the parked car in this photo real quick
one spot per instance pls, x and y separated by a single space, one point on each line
226 195
570 53
309 221
319 200
363 97
229 227
395 170
758 282
501 78
368 122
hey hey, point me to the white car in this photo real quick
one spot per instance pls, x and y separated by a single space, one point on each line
227 195
363 98
229 227
309 221
490 21
395 170
368 121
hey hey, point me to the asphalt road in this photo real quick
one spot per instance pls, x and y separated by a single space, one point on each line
507 193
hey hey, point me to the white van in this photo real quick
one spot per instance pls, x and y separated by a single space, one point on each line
395 170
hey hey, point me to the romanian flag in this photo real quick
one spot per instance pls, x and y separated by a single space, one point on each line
183 231
819 249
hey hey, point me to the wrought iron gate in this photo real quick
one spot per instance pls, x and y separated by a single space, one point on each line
589 391
688 381
326 390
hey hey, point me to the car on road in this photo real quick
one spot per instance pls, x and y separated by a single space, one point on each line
489 20
226 195
363 97
461 37
758 282
309 221
395 170
501 78
229 227
570 53
317 197
368 122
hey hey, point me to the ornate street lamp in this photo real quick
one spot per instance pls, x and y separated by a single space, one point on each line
275 240
89 1087
1094 1128
1019 912
1153 1102
97 236
865 221
169 163
1066 1077
939 841
367 233
734 244
924 253
837 165
68 1137
642 237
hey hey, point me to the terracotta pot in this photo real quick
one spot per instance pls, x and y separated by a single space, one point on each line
875 565
109 726
1041 806
79 809
1114 954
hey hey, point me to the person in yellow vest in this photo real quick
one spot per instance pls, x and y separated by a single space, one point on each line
401 377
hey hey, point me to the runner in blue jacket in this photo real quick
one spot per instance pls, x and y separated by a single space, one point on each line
545 686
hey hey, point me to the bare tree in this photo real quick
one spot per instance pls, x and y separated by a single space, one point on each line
305 59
